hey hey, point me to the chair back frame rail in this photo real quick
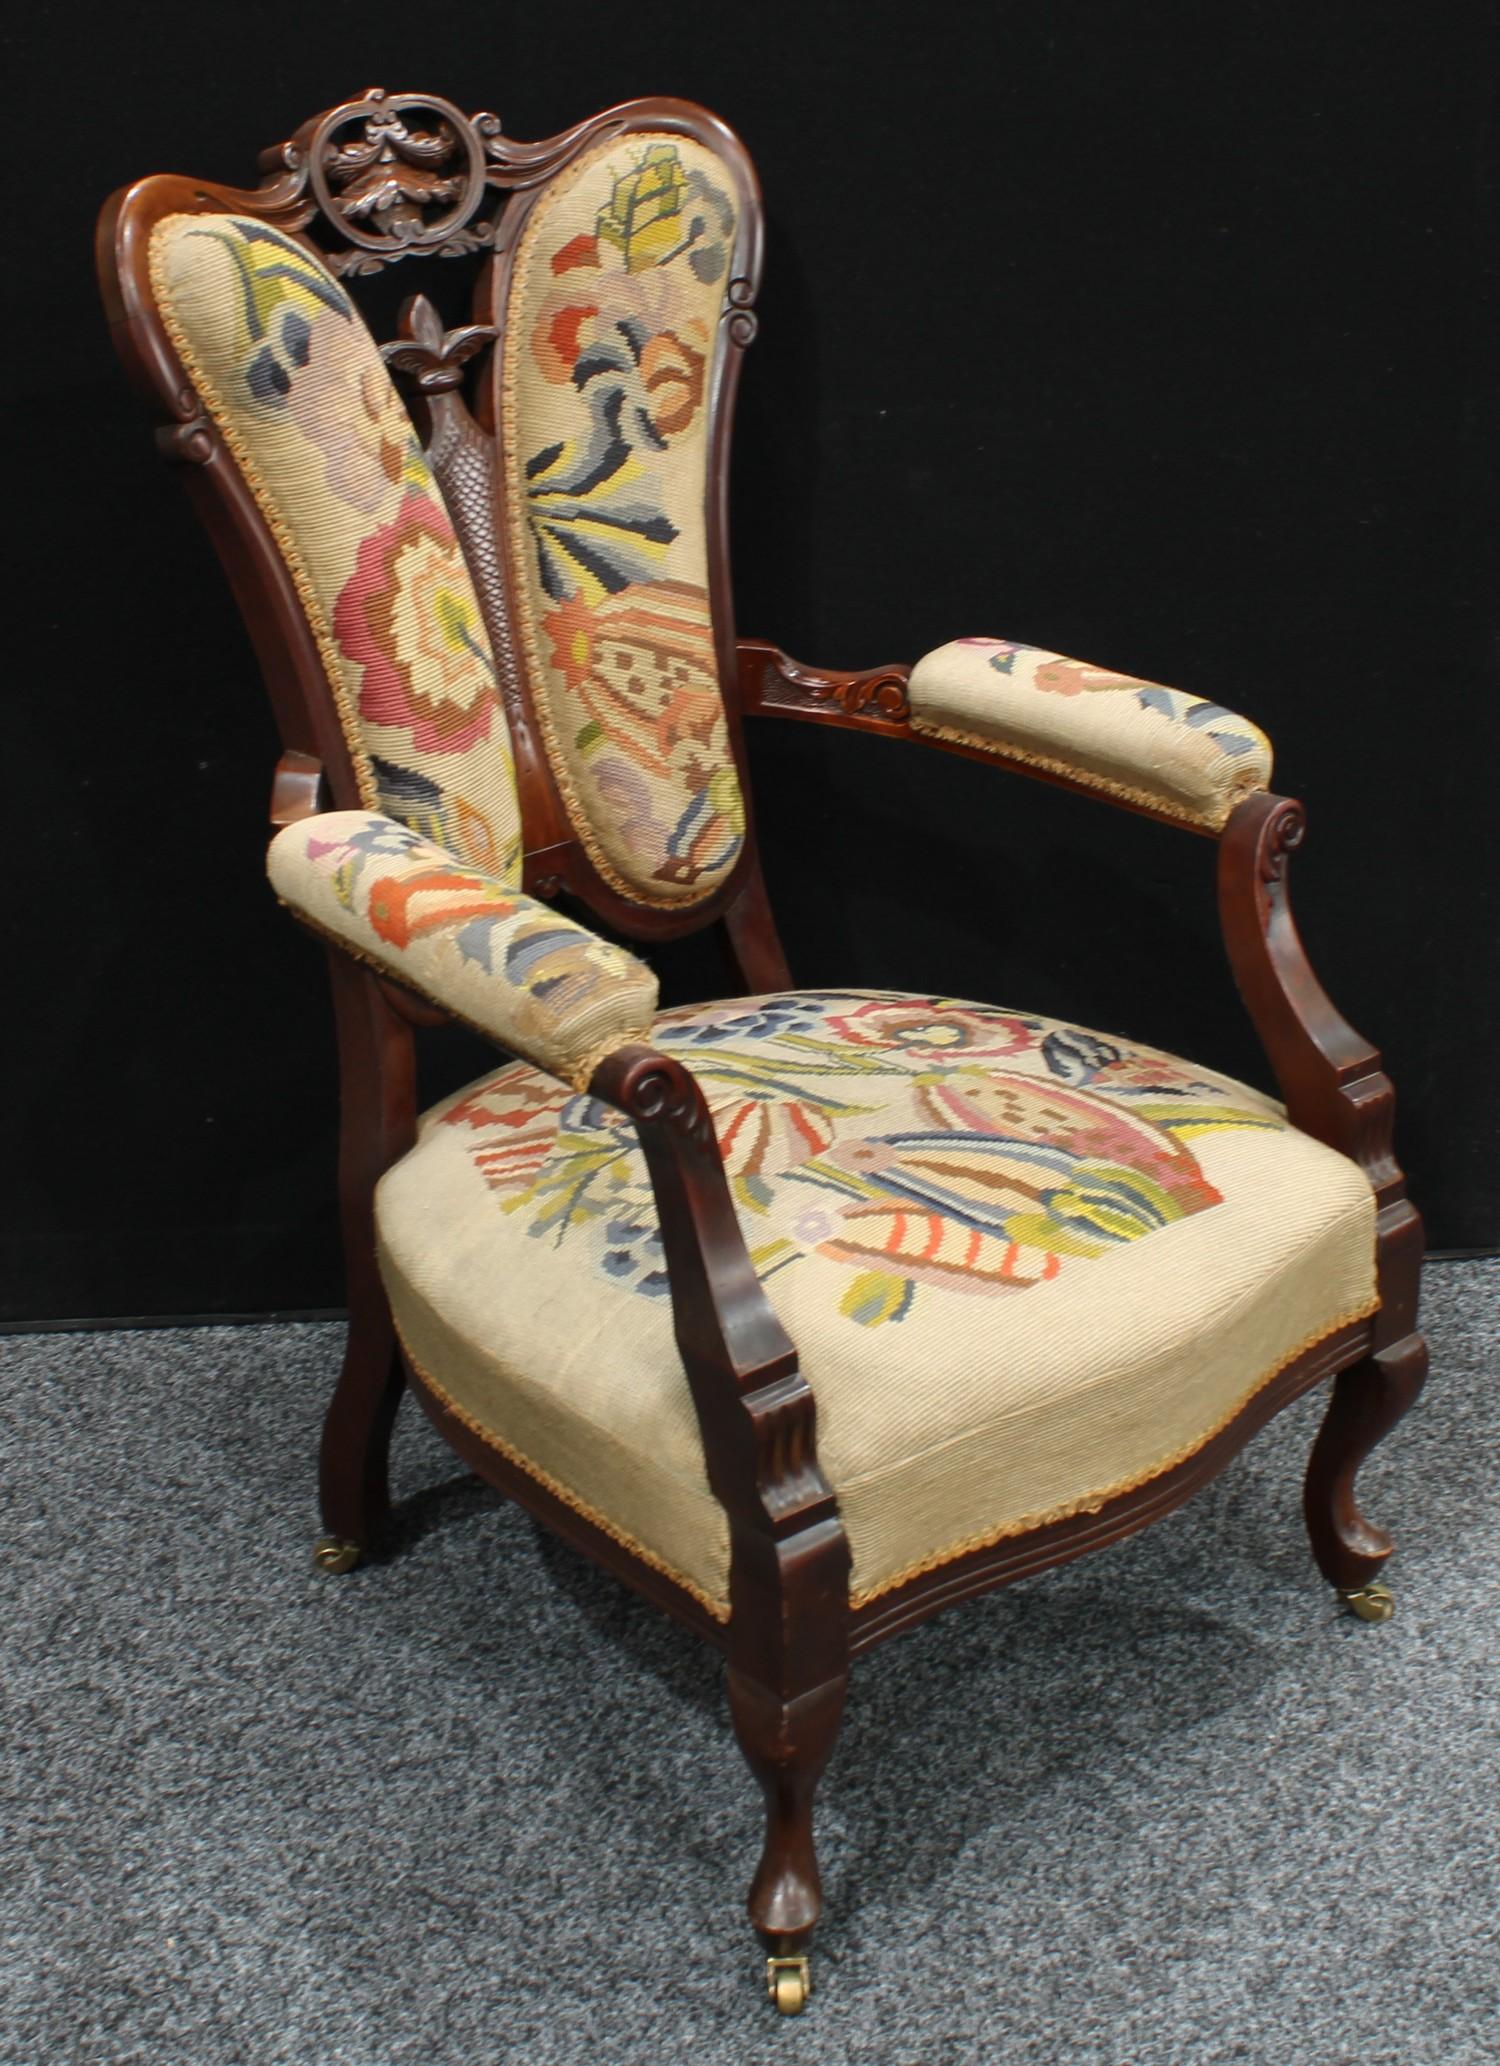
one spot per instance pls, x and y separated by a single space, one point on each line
790 1633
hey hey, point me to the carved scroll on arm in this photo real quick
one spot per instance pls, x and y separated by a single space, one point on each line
773 685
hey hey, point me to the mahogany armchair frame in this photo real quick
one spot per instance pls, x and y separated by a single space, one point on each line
791 1634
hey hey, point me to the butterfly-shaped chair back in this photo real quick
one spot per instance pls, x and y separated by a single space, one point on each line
500 614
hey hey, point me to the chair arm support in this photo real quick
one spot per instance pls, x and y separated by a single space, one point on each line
511 967
1134 743
1330 1077
755 1409
773 685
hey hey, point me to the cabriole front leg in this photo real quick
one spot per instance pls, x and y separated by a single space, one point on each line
787 1678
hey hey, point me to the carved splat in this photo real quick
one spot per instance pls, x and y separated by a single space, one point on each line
432 361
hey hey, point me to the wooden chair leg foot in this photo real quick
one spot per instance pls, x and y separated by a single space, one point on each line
786 1744
335 1553
1368 1400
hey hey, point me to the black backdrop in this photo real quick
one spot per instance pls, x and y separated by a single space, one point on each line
1150 334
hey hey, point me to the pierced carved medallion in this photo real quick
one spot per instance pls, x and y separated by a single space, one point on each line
398 173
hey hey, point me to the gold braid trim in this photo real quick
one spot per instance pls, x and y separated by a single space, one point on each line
515 509
1180 814
717 1608
1091 1502
312 607
580 1073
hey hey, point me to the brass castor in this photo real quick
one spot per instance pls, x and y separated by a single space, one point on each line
1369 1602
336 1553
789 1983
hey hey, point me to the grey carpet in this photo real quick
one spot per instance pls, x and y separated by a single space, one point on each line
478 1804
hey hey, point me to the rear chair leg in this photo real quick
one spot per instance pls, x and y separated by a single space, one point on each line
353 1460
377 1123
1368 1400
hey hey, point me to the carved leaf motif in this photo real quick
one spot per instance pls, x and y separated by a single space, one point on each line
886 691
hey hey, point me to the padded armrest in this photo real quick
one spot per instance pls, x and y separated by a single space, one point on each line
543 987
1152 746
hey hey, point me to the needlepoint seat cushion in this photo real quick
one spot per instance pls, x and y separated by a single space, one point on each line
1026 1267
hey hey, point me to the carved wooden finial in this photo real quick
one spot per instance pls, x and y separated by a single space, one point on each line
433 358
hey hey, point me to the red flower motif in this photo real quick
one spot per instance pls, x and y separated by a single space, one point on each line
408 615
919 1027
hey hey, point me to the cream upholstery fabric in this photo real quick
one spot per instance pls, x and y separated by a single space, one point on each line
542 986
614 330
1025 1268
1132 739
290 375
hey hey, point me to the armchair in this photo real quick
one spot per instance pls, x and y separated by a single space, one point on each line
805 1312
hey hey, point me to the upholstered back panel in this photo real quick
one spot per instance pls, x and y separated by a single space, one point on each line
613 331
289 373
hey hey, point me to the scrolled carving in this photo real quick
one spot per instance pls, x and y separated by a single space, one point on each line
1281 834
518 165
660 1091
190 443
887 692
770 681
742 324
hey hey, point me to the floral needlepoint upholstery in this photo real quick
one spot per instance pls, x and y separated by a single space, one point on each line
1171 752
542 986
1026 1267
614 323
289 373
